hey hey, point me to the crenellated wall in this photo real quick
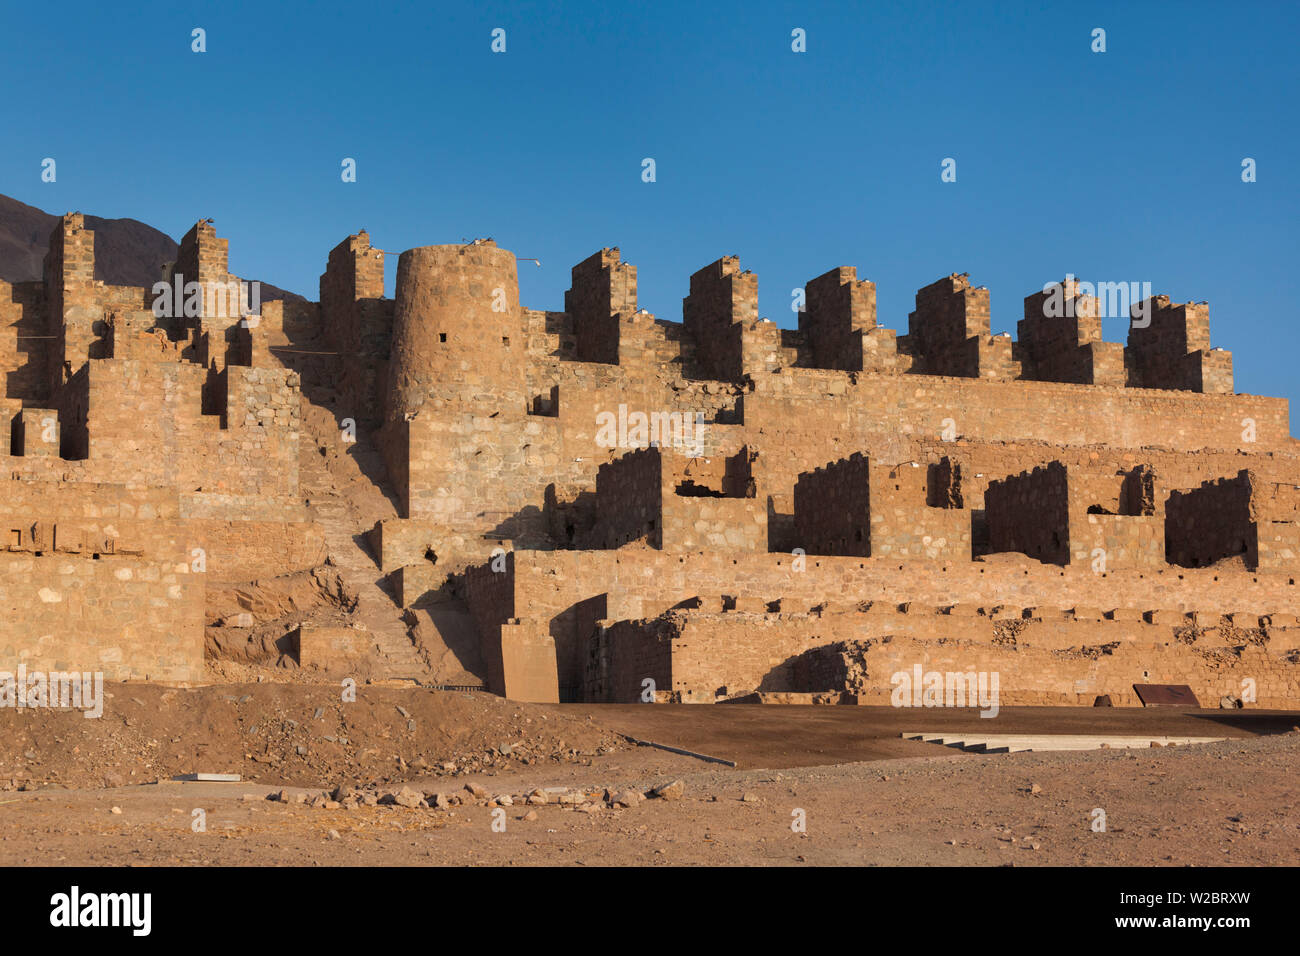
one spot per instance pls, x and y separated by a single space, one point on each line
947 466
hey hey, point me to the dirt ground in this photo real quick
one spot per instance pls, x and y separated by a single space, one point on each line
814 785
291 734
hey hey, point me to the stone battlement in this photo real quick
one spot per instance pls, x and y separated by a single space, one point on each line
588 495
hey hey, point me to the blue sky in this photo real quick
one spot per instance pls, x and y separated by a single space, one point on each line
1115 166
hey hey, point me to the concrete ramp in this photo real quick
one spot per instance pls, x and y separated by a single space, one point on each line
1018 743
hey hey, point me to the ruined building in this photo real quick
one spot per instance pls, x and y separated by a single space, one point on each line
597 504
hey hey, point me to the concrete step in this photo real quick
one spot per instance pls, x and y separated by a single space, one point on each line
1018 743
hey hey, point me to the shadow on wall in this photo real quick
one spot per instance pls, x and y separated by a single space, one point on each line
529 528
570 630
818 669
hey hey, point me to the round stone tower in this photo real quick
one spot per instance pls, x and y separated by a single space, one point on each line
457 325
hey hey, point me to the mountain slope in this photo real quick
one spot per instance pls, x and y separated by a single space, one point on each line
127 252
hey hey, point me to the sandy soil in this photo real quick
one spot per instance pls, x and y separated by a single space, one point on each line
902 802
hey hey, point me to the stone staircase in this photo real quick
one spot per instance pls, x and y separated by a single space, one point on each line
345 524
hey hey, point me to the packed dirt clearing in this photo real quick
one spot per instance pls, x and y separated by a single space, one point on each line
419 777
1233 803
797 736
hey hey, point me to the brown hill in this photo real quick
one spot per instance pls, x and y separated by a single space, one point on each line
127 252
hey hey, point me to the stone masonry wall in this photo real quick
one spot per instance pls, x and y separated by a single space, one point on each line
603 293
839 309
832 508
1029 513
127 615
1213 522
570 590
630 497
713 656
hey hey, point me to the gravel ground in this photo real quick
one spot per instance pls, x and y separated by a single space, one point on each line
1231 803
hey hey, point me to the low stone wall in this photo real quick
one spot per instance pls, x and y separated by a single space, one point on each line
1040 656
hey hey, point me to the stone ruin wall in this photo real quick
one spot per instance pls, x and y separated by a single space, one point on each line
797 419
941 468
1043 658
146 461
556 590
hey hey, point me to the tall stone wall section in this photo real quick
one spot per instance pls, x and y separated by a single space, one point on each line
722 303
1215 521
146 457
601 299
832 508
1169 347
1059 339
358 325
1030 513
630 500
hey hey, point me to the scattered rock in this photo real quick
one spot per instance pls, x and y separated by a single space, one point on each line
670 791
406 797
